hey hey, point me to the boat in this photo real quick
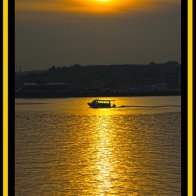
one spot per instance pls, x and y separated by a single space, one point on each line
100 103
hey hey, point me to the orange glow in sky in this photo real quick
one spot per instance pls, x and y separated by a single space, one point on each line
89 6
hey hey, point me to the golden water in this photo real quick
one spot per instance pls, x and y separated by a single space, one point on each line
63 147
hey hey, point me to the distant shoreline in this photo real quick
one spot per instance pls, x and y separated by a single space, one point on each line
32 96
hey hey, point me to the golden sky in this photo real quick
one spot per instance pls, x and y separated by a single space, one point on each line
91 6
67 32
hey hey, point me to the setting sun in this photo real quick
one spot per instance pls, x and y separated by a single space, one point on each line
103 0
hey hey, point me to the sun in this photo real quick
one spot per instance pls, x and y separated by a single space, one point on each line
103 0
104 6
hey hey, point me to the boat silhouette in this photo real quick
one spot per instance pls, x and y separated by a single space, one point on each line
100 103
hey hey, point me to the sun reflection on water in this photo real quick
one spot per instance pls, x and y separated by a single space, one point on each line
70 149
104 153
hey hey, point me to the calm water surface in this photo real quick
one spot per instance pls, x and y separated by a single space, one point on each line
63 147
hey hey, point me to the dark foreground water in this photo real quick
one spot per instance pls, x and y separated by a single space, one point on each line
63 147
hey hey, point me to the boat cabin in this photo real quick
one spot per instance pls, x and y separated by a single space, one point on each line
99 103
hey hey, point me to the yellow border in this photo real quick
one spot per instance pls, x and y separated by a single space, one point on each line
5 97
190 97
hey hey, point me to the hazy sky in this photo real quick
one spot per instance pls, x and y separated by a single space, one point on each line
67 32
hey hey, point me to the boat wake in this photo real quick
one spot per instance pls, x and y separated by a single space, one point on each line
149 106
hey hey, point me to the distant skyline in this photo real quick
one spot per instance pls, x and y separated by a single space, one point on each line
68 32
